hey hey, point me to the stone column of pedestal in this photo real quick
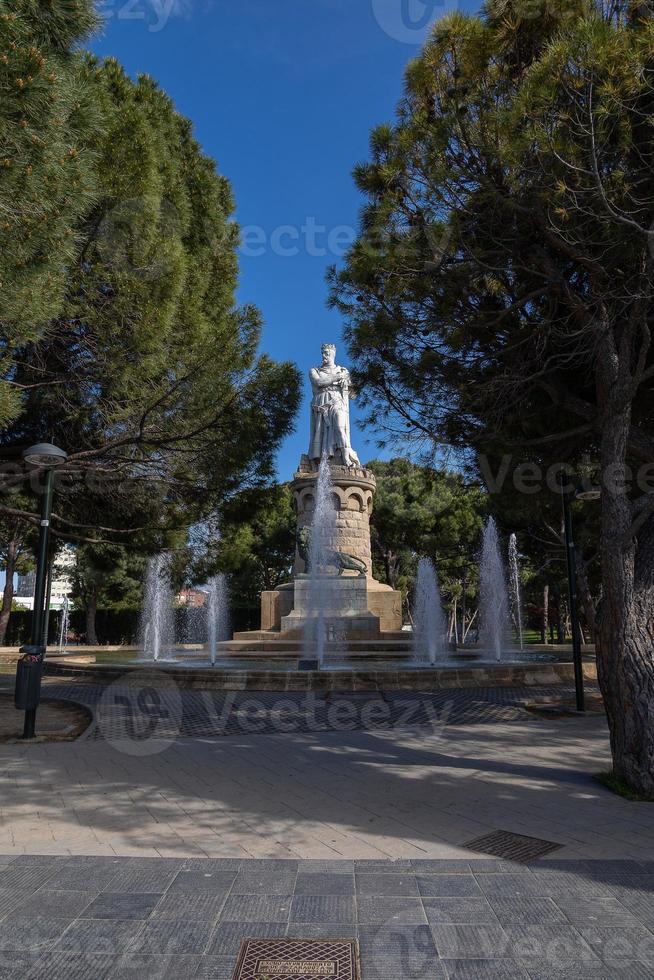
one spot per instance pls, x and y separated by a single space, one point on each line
353 488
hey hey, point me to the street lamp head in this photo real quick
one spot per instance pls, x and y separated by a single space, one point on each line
44 454
592 493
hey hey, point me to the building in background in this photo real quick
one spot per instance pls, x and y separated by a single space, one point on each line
191 598
62 581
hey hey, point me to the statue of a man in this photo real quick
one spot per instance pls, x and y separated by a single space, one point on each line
330 411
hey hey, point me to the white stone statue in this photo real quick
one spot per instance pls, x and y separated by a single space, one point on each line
330 411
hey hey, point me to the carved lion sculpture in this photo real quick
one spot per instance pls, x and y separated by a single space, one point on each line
338 559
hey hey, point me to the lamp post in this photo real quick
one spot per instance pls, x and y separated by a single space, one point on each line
585 493
29 669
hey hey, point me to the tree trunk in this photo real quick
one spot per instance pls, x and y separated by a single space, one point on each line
546 613
625 628
91 610
585 596
8 594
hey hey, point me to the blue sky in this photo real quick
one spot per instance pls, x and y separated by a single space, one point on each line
283 94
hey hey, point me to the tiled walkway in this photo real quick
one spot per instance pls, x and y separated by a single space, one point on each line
150 847
67 918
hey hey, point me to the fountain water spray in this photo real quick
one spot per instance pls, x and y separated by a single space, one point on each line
514 579
323 529
429 622
65 623
217 611
493 601
157 621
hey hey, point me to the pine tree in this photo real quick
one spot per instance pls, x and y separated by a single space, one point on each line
150 377
500 295
46 166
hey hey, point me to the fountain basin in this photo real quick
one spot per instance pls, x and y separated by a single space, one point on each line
356 675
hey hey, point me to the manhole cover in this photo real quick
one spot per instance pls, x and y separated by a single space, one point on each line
297 959
513 847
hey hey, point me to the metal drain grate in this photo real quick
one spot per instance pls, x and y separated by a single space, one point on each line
512 847
298 959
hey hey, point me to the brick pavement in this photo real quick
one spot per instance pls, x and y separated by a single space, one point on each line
108 917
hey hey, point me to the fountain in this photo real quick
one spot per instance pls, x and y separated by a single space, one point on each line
65 623
429 623
323 529
156 628
217 614
332 613
493 604
514 579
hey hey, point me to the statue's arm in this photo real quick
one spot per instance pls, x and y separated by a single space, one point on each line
317 379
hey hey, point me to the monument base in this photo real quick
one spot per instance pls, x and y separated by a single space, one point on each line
343 604
382 603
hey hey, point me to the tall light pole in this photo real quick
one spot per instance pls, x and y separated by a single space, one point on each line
587 493
29 669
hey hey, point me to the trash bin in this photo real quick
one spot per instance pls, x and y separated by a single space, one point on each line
28 684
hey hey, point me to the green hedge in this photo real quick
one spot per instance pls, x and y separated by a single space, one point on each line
112 626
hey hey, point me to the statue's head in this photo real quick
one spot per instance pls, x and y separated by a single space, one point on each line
328 353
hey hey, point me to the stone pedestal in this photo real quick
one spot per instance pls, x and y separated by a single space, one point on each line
364 607
354 489
345 607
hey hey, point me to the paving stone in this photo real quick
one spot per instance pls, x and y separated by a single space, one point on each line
193 881
108 936
447 885
322 908
75 877
192 908
373 910
434 866
274 864
567 883
627 970
458 942
547 943
216 968
54 904
27 877
397 867
141 881
535 911
511 885
250 881
327 883
475 911
606 867
256 908
399 950
10 898
231 865
15 964
71 966
321 930
122 905
172 936
485 970
317 866
18 932
141 966
597 912
498 866
25 860
620 943
226 937
382 884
